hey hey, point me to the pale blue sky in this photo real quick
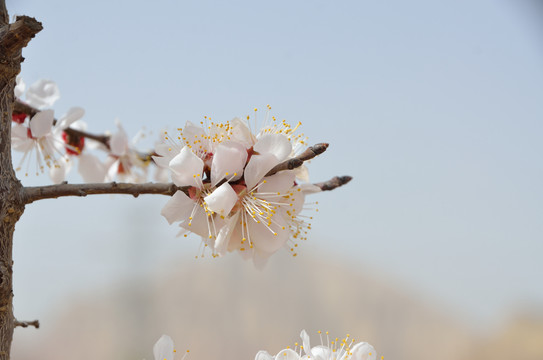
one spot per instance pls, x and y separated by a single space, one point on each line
435 108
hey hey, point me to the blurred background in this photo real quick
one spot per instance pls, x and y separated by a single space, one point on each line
433 251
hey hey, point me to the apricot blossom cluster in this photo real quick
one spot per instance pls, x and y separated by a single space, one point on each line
234 202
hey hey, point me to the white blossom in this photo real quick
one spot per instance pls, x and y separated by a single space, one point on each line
164 349
42 94
41 137
124 162
229 201
335 349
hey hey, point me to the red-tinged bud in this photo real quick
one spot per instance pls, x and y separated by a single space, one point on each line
29 133
76 143
18 118
121 169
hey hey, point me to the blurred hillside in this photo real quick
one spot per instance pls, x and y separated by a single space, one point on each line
225 309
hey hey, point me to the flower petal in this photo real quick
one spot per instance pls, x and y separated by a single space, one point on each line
163 349
225 234
91 169
280 182
195 135
19 139
276 144
263 355
118 142
241 133
58 171
198 224
178 208
187 168
73 114
302 173
20 87
287 354
271 238
229 158
222 200
363 351
43 93
258 166
41 123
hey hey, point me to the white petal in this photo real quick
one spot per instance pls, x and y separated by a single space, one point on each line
58 171
229 157
280 182
162 149
187 168
287 354
166 152
306 343
362 351
309 188
20 87
19 139
163 349
258 166
198 224
236 236
263 355
43 93
111 166
241 132
118 143
302 173
222 200
161 175
225 234
265 239
276 144
79 125
41 123
91 169
321 353
73 114
195 133
178 207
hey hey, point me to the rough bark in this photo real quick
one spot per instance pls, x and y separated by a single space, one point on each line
12 39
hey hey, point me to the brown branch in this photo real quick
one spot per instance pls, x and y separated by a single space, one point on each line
297 161
35 323
34 193
16 36
334 182
20 107
4 16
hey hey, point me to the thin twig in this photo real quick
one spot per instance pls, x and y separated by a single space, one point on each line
297 161
35 323
34 193
334 182
20 107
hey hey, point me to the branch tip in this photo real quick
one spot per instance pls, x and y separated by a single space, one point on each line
334 182
25 324
298 161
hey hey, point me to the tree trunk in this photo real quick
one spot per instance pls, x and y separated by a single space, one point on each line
11 208
12 39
